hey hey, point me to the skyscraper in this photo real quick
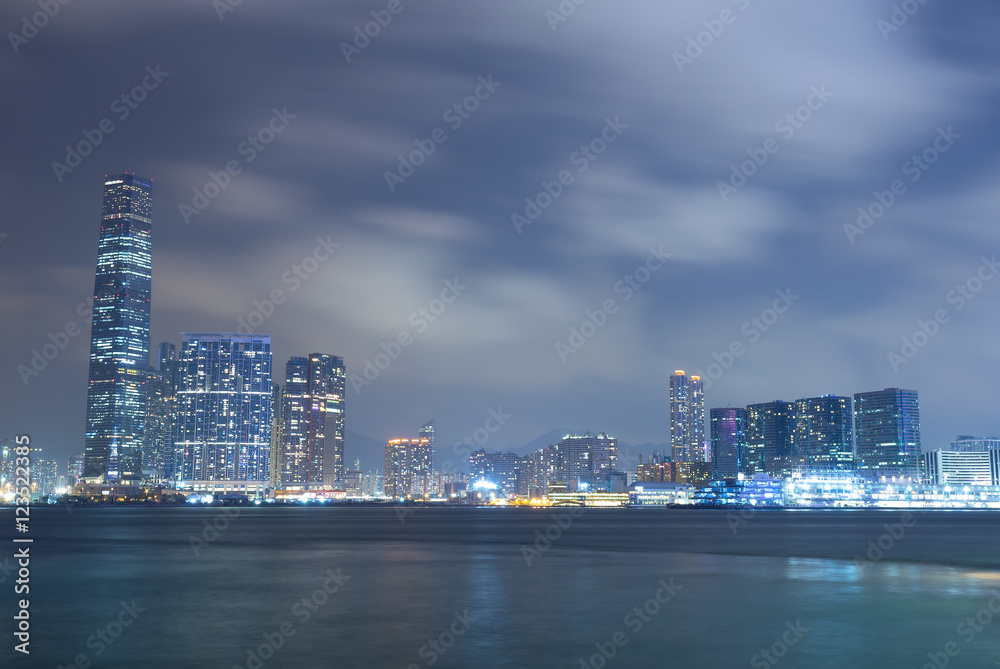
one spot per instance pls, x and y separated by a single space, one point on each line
313 419
224 406
729 445
119 336
769 427
687 418
887 426
823 434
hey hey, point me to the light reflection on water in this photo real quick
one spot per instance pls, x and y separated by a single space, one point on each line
408 582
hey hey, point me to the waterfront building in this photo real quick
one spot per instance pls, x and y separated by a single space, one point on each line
313 420
823 434
769 428
729 445
887 433
408 467
959 468
224 396
119 337
656 493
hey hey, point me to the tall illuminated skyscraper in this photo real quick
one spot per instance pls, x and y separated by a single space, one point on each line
224 406
313 419
687 418
119 336
887 432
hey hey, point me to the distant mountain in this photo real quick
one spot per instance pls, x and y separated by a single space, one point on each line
370 451
544 441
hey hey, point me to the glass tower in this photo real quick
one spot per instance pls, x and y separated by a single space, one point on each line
119 336
729 446
224 406
887 426
687 418
823 432
769 427
313 419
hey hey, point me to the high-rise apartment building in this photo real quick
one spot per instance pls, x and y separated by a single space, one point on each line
119 336
887 427
503 469
408 467
687 418
575 464
313 419
224 406
823 435
729 445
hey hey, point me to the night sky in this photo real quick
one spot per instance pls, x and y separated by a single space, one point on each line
620 121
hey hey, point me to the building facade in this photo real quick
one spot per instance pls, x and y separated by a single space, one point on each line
119 337
313 419
769 428
224 406
959 468
887 424
687 418
824 437
408 468
159 458
729 444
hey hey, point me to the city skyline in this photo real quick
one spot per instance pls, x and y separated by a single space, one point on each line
317 179
386 333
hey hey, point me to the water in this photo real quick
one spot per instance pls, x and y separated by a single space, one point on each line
412 578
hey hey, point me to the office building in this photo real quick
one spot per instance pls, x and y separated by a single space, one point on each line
408 467
769 427
729 445
224 408
687 418
887 425
313 420
119 337
823 435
